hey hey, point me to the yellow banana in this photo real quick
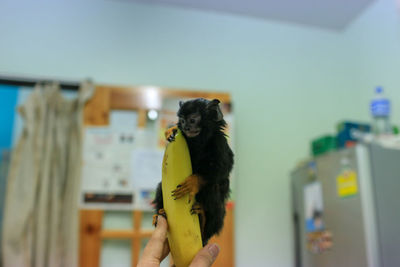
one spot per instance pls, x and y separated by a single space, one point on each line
184 236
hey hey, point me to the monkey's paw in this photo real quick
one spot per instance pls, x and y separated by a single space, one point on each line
155 216
190 186
170 133
197 209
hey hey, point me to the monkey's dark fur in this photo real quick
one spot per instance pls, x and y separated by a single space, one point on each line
211 157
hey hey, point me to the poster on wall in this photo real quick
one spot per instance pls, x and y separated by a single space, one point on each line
121 165
106 181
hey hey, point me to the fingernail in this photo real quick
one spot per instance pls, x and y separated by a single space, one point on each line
214 250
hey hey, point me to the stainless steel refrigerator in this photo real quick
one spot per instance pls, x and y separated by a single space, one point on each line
354 194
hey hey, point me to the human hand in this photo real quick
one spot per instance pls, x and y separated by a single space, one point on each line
157 249
206 256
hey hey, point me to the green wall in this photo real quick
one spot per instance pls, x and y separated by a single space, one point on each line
289 83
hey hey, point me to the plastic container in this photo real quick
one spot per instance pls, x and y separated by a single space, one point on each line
348 133
380 111
323 144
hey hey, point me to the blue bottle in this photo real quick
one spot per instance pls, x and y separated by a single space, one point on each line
380 111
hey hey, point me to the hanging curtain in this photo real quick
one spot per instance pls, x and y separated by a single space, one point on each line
40 227
4 163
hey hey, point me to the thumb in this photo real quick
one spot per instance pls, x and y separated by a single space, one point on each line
206 256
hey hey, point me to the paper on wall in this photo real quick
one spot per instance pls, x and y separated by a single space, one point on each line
146 167
106 168
146 174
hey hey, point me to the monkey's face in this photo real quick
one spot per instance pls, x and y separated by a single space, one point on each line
190 124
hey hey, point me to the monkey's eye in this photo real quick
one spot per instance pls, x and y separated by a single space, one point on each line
182 120
192 120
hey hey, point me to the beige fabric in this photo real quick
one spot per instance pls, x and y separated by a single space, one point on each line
40 226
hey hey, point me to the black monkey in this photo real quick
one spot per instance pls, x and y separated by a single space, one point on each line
202 124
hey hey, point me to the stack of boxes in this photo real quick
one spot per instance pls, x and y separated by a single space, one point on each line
347 133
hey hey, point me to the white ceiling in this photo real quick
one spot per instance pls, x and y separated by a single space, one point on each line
331 14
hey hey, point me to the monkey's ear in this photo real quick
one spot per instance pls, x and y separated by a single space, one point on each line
214 110
180 103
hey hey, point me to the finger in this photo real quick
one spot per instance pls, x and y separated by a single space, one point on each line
181 192
154 249
154 223
165 250
160 233
180 187
184 184
206 256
